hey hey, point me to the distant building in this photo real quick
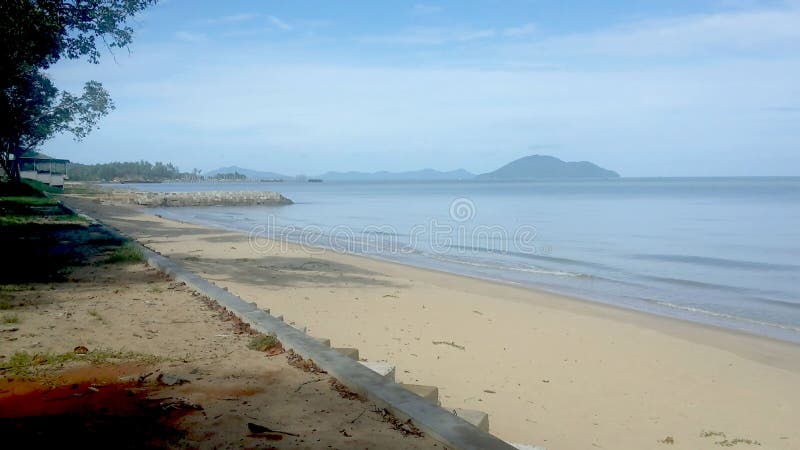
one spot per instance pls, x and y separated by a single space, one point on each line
41 167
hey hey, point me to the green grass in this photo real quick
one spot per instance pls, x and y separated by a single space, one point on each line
263 343
126 253
95 314
9 318
41 187
25 364
29 201
16 220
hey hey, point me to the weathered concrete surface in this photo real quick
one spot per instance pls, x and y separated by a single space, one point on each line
478 418
209 198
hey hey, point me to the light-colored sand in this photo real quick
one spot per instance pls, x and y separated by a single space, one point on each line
549 370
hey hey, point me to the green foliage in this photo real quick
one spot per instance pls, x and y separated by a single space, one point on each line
123 171
35 35
40 188
263 343
9 318
24 363
126 253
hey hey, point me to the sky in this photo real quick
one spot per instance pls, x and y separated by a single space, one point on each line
646 88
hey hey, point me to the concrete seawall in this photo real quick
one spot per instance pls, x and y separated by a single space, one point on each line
209 198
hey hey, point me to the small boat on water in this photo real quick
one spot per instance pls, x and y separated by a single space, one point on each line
315 180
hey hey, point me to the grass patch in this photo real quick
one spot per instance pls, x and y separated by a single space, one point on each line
24 189
30 201
95 314
126 253
25 364
15 220
155 290
41 187
9 318
263 343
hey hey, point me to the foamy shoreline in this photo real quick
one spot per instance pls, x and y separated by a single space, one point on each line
559 371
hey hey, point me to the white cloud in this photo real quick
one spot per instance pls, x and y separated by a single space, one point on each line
234 18
278 23
187 36
693 35
421 9
432 36
522 30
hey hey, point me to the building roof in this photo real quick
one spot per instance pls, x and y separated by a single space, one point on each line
41 157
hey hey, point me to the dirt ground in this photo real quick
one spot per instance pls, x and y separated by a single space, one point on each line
99 354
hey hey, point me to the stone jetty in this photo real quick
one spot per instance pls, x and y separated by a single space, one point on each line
209 198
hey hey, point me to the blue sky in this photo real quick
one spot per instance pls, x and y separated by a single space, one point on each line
647 88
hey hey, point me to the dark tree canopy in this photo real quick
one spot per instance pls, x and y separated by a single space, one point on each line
34 34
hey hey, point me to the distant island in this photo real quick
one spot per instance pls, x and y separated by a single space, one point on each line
543 166
531 167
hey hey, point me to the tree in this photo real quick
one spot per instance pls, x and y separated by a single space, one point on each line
34 34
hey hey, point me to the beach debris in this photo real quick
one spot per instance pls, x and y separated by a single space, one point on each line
667 440
8 328
296 360
407 427
489 391
451 344
80 350
144 377
168 379
545 381
343 391
345 433
707 434
307 382
257 429
477 312
179 404
737 441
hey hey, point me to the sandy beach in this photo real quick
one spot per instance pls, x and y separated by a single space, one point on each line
551 370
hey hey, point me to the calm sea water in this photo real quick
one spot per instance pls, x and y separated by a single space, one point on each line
718 251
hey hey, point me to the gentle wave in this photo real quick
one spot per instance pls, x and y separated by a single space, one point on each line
734 317
718 262
537 270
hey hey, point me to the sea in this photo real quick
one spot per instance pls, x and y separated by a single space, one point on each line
718 251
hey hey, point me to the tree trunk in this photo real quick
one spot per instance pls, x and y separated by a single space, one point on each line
10 163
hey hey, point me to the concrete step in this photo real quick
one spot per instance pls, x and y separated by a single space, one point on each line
384 369
478 418
351 353
324 341
526 446
430 393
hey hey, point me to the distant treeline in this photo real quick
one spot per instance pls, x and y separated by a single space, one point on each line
141 171
124 171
